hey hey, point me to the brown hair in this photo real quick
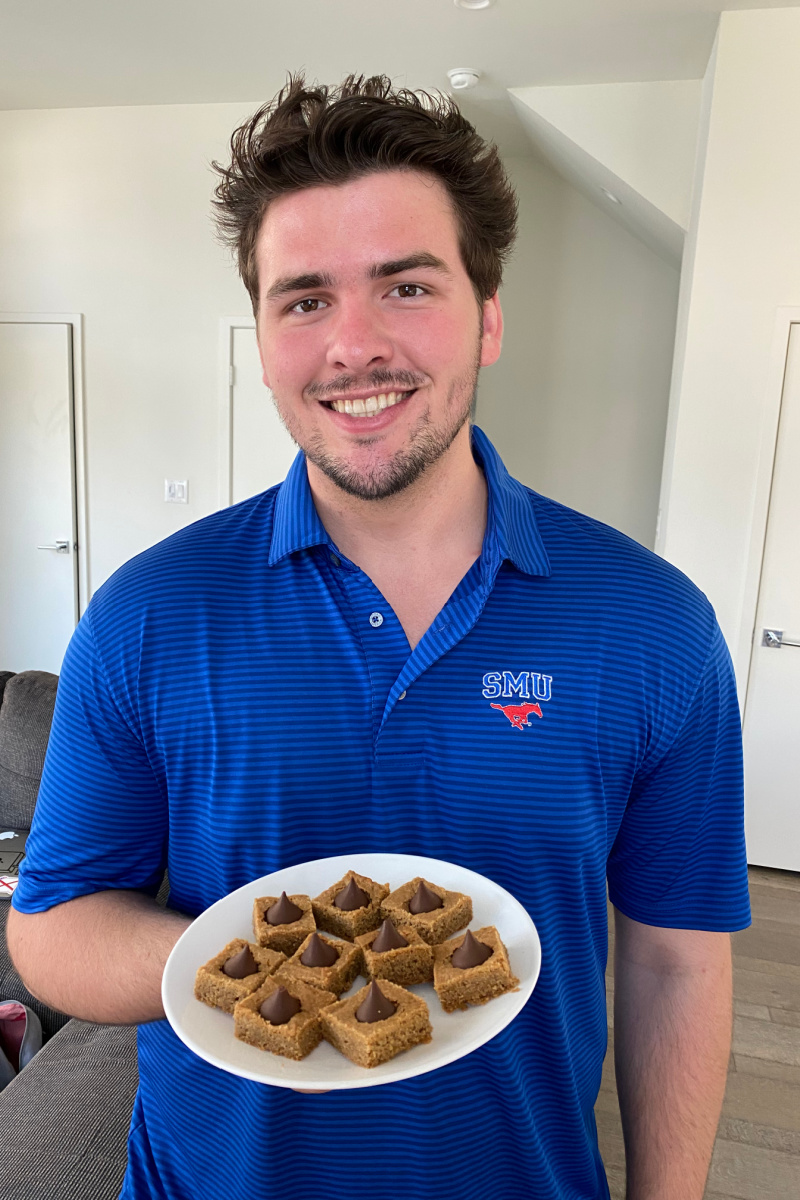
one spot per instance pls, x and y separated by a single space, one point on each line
313 136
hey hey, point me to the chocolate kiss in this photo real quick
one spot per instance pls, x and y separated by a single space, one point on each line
375 1006
388 938
318 953
283 912
280 1007
351 897
471 953
241 965
424 900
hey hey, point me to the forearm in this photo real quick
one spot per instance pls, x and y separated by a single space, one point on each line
99 957
672 1034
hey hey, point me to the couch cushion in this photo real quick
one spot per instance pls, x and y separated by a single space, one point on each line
4 678
25 718
64 1119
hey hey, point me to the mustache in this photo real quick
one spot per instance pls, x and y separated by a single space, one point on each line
381 379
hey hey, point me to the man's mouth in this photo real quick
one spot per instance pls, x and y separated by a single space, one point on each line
369 405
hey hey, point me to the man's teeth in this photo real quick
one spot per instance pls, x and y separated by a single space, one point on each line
368 407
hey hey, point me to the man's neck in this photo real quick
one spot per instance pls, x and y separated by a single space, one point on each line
415 546
446 506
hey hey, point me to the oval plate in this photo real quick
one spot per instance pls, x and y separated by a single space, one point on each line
209 1032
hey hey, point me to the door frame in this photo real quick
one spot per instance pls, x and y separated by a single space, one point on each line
74 321
225 384
786 316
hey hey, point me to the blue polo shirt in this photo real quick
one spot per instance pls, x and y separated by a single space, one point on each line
569 718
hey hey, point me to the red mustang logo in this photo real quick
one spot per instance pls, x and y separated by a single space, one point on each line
518 713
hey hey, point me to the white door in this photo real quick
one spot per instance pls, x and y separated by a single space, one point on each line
38 587
772 711
261 451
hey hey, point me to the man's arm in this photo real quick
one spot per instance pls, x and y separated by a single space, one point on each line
672 1037
98 957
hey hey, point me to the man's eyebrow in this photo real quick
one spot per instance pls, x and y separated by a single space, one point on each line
412 262
298 283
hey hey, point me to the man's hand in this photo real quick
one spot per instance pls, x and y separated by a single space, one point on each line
99 957
672 1036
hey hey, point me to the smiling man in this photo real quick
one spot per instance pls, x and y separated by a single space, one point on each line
398 649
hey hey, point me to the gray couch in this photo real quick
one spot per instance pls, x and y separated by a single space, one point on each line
64 1119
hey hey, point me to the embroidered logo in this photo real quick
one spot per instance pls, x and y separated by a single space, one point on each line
518 714
530 687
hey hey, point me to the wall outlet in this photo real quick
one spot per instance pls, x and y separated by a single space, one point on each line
176 491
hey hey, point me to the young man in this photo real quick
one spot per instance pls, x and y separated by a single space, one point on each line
330 667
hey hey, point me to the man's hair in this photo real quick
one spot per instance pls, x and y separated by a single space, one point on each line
316 136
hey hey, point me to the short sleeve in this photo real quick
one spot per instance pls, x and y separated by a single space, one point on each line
679 860
101 818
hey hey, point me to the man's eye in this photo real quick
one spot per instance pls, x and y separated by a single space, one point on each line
309 305
409 291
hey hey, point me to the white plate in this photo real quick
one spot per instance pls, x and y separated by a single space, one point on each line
209 1032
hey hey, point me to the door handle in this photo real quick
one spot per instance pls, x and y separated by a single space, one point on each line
59 547
774 639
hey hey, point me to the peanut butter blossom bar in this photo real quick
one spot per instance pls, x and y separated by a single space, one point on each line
283 922
350 907
472 969
234 973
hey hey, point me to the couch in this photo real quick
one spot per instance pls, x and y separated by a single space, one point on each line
64 1119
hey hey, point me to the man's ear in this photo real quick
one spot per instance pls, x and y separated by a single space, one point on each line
492 328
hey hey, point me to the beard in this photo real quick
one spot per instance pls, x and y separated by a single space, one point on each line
427 442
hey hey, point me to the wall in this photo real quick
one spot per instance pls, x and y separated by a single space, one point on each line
106 212
745 264
577 403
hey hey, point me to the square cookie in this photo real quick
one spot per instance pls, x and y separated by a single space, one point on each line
282 937
296 1037
404 964
458 988
335 978
219 990
369 1044
350 923
433 927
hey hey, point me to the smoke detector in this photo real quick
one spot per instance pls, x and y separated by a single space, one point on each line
473 3
462 78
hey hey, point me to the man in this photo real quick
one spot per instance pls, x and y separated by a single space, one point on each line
332 667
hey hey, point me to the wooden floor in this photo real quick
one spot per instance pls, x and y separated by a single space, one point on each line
757 1153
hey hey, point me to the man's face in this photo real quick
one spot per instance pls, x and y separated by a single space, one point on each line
369 330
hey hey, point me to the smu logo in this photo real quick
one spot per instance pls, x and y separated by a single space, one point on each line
529 686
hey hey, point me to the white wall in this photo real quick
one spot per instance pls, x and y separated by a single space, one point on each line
577 404
106 212
746 263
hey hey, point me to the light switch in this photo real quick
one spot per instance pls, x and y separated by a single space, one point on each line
176 491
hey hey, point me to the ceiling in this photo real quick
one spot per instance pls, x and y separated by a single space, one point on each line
88 53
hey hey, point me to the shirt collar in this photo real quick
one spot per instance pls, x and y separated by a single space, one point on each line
511 530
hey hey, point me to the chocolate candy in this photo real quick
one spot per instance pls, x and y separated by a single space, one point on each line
280 1007
424 900
471 953
351 897
318 953
283 912
388 938
241 965
375 1006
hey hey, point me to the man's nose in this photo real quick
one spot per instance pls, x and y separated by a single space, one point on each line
358 338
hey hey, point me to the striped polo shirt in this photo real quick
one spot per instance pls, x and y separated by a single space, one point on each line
241 697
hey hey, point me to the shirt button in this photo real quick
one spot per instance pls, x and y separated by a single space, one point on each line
375 619
336 562
402 696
